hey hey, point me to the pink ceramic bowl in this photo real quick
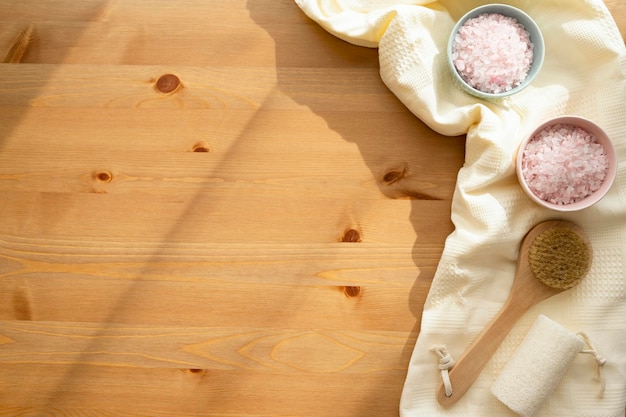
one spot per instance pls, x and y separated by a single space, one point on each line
601 138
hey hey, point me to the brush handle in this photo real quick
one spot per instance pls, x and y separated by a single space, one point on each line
468 367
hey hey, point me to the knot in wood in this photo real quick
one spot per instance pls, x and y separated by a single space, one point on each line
201 147
352 291
351 236
103 176
167 83
394 175
195 371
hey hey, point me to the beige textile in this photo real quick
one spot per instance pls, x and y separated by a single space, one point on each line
584 74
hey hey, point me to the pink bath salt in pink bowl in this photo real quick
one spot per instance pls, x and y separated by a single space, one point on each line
567 164
495 51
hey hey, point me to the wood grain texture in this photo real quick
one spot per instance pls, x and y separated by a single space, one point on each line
208 209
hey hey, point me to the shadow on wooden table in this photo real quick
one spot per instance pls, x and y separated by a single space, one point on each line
20 44
401 152
400 168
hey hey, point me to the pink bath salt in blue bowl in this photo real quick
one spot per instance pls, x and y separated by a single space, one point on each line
495 51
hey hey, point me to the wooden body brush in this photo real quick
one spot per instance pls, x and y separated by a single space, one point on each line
554 256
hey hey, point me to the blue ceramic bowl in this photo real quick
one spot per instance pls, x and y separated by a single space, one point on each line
535 37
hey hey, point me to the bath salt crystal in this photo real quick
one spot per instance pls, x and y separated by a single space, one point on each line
563 164
492 52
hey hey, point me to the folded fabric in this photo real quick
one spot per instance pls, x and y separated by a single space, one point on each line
584 74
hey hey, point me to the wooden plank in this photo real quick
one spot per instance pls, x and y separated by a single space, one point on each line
258 349
250 88
226 217
246 150
106 43
183 12
159 392
343 286
198 304
232 33
55 10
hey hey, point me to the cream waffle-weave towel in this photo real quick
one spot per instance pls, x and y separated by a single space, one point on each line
584 74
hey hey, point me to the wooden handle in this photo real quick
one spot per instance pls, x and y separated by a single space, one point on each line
468 367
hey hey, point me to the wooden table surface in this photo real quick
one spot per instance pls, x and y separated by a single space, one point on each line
208 209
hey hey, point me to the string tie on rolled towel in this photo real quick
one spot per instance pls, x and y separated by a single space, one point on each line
600 360
445 363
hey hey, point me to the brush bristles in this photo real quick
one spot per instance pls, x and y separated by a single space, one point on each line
560 258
